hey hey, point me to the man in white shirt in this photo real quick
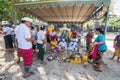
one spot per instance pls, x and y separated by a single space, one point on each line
24 39
63 44
73 45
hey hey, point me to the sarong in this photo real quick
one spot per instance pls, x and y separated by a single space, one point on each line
27 56
95 51
8 41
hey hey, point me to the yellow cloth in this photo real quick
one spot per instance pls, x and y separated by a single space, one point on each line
50 29
117 52
53 44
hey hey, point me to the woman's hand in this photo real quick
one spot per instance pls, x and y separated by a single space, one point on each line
44 41
92 44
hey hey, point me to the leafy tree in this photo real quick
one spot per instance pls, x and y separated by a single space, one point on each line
90 24
6 10
115 23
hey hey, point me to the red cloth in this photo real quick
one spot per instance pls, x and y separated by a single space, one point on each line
89 36
54 37
74 34
47 33
27 56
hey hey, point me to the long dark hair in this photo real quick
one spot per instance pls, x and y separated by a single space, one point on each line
100 30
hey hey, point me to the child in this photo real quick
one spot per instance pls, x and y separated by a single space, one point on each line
89 37
116 45
54 44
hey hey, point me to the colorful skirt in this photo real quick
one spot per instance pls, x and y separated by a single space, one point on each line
117 52
98 59
27 56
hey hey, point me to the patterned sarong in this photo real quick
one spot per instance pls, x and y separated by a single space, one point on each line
94 53
27 56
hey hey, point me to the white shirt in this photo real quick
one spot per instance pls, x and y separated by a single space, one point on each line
71 43
22 33
72 46
63 44
7 30
12 32
41 36
58 34
16 28
53 33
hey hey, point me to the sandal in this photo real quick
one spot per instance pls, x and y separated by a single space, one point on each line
97 69
28 75
18 61
42 62
118 61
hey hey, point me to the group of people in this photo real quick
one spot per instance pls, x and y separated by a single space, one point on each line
100 47
9 36
27 40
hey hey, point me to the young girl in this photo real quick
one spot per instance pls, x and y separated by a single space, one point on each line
54 44
89 38
116 45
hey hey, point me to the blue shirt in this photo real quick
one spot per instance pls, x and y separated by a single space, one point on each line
101 38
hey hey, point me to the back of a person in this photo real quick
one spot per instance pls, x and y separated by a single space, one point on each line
40 35
8 30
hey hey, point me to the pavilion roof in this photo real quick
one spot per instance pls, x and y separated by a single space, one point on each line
63 10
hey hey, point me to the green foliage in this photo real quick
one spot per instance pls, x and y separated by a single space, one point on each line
114 23
6 10
90 23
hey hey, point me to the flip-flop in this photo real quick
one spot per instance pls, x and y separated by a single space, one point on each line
97 70
44 63
31 73
18 61
118 61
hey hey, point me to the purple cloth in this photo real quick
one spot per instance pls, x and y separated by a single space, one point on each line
117 39
56 49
